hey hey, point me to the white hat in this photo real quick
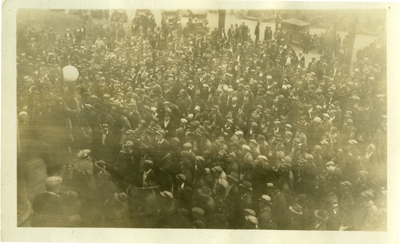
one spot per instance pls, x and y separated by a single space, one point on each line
246 147
317 119
262 157
239 132
352 142
167 194
265 198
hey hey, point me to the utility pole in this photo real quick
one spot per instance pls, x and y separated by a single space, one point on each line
352 27
221 19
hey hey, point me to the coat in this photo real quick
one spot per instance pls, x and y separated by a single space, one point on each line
48 211
105 151
264 219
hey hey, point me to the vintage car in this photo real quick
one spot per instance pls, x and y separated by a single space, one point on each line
295 29
172 18
259 15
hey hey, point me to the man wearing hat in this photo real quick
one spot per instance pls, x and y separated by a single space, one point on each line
125 161
163 145
246 195
262 145
198 115
216 118
103 144
248 158
182 191
288 142
295 221
204 200
326 124
264 217
168 125
253 131
149 178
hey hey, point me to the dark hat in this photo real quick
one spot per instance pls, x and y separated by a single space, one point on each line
247 185
205 191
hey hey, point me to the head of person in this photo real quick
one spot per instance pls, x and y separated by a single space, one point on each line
53 184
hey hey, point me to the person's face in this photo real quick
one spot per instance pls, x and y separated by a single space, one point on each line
70 168
24 118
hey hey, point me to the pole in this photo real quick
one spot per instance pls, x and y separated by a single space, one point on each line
351 37
221 19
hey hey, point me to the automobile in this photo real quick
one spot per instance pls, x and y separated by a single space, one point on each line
295 29
322 21
172 18
258 15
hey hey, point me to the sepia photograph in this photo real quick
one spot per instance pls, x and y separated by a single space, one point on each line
258 118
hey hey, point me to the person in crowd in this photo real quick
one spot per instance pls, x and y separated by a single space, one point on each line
54 208
190 129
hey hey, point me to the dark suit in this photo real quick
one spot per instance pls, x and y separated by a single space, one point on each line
217 119
48 211
169 128
103 150
280 210
264 219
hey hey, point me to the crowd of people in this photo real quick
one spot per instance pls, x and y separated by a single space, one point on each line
204 131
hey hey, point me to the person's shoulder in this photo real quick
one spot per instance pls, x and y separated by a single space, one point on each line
44 198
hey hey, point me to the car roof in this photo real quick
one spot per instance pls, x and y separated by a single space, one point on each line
296 22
